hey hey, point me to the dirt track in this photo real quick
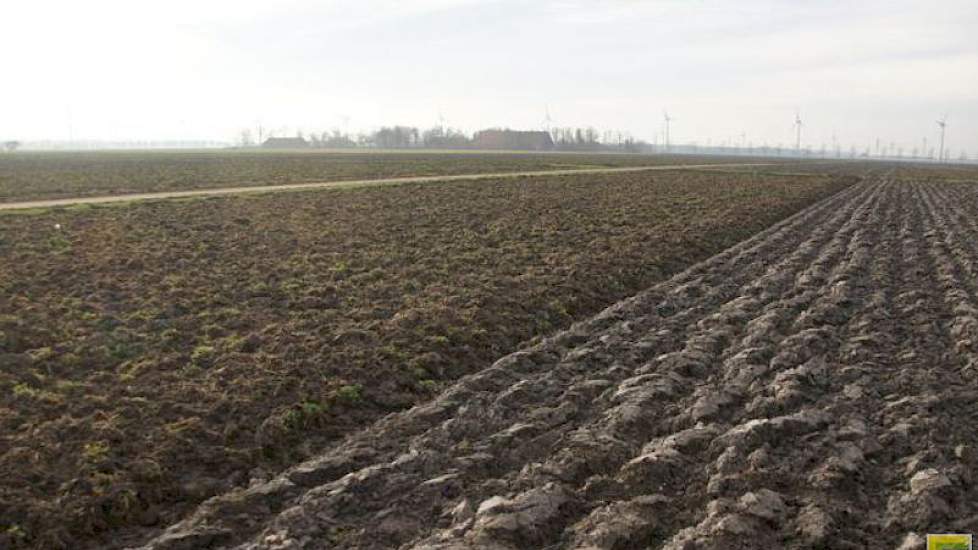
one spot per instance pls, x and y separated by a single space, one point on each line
52 203
811 387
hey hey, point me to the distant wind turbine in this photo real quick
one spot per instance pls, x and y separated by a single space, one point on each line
798 126
943 126
668 119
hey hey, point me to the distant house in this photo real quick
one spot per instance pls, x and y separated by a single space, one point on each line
285 143
512 140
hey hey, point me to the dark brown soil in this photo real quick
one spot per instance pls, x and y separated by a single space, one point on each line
157 354
31 175
812 387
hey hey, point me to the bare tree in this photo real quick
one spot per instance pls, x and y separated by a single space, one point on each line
244 138
440 137
396 137
591 136
338 140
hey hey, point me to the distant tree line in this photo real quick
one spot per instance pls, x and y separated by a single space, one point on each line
590 139
439 137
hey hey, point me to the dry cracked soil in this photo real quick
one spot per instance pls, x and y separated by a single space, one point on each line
811 387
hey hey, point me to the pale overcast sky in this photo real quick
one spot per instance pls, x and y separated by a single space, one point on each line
207 68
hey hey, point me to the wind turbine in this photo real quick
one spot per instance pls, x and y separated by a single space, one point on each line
943 125
665 115
547 121
441 121
798 126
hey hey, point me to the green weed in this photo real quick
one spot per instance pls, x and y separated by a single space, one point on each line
305 414
352 393
95 452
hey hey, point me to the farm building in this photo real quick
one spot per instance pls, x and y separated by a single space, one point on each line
512 139
285 143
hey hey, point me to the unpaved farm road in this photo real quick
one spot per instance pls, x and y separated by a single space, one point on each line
812 387
52 203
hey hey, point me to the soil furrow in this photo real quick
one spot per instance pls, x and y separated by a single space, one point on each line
773 380
810 387
920 475
506 373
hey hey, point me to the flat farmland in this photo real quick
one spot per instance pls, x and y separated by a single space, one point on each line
33 176
810 387
155 354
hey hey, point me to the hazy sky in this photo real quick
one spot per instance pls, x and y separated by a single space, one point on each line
207 68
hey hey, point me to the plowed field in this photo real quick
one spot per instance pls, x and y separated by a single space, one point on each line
812 387
154 355
41 175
